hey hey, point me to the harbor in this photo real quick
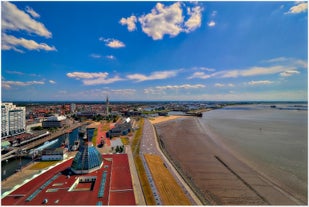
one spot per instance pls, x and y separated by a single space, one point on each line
21 157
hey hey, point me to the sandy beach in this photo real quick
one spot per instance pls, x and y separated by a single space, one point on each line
160 119
216 174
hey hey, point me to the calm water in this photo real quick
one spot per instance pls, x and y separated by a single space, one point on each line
271 140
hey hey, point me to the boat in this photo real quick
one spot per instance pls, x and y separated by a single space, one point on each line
44 146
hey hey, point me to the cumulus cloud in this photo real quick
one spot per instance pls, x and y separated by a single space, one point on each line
162 20
94 78
52 82
33 13
195 19
169 20
299 8
9 84
113 43
158 75
261 82
130 22
10 42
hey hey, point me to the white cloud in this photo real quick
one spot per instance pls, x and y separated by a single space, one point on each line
213 14
10 42
162 20
219 85
130 22
195 19
201 75
9 84
96 56
52 82
185 86
261 82
289 73
111 57
33 13
253 71
113 43
100 81
161 89
299 8
83 75
211 23
230 85
153 76
15 72
169 20
123 91
93 78
14 19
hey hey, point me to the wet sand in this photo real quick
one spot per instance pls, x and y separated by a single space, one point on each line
218 176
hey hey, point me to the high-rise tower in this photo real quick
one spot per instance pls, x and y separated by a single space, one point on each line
107 106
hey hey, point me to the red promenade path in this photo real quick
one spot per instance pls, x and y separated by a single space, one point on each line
102 135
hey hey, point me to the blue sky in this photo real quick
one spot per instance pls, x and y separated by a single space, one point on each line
206 51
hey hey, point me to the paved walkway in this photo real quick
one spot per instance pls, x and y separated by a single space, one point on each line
138 192
149 145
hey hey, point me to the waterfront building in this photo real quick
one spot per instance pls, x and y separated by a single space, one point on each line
54 154
88 179
54 121
13 119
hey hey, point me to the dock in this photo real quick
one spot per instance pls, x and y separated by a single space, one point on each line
18 151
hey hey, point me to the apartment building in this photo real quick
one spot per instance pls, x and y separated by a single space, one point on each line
13 119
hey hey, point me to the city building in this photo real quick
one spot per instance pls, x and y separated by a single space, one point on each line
73 107
54 154
88 179
13 119
107 106
54 121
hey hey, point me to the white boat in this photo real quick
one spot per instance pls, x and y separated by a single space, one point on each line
45 145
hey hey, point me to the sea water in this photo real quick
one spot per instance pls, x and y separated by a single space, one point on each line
273 140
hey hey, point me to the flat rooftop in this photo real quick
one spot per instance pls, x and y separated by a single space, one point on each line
110 185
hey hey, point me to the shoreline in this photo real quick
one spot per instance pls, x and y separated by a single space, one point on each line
219 175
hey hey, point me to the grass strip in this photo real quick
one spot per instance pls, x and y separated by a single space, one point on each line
135 145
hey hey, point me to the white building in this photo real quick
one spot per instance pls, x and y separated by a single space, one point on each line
13 119
54 121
